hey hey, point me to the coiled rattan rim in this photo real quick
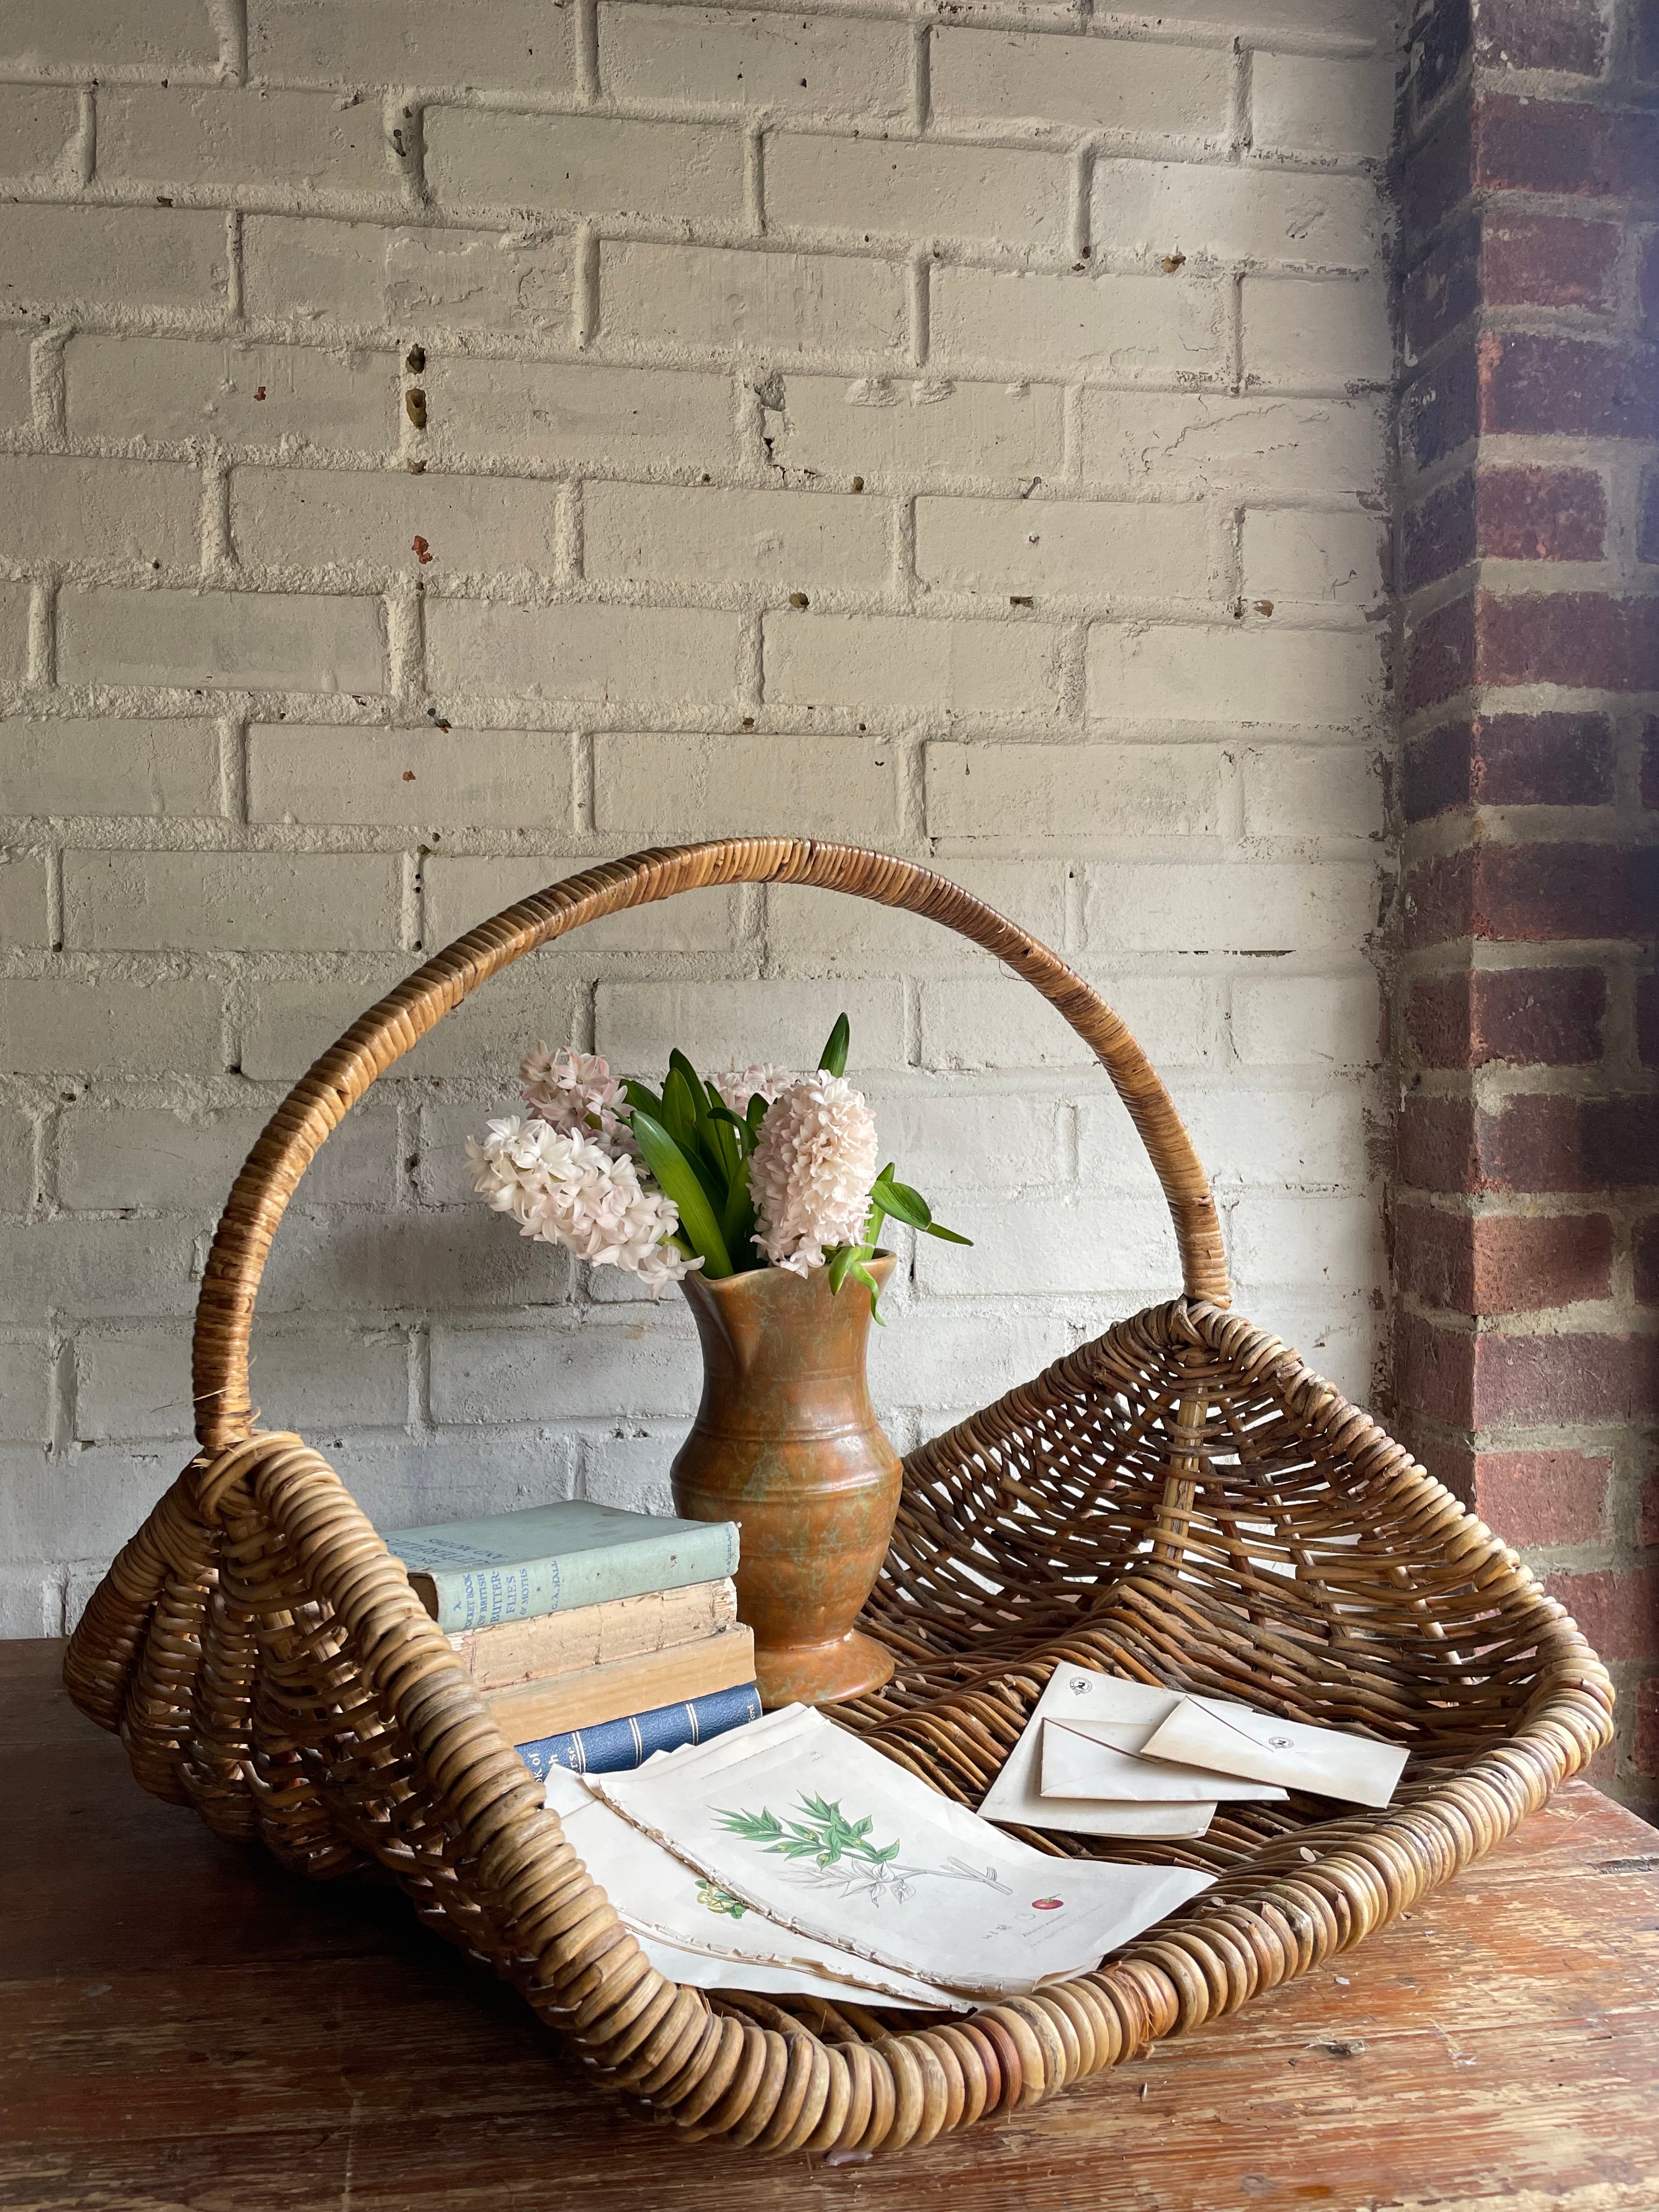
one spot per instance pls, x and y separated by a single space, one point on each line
737 2066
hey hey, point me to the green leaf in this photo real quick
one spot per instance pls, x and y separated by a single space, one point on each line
833 1059
719 1111
902 1203
679 1115
680 1065
862 1275
945 1235
678 1180
738 1220
640 1094
757 1114
840 1262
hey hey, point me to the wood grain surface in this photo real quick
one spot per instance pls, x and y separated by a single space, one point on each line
183 2026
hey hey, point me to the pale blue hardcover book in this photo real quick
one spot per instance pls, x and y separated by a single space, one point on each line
615 1746
550 1558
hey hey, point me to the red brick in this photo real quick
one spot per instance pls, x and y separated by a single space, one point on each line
1617 1608
1647 1510
1651 762
1564 1379
1441 654
1535 1143
1438 1147
1528 1016
1540 514
1436 175
1563 147
1543 1497
1644 39
1442 290
1440 410
1529 895
1440 40
1647 1019
1434 1370
1566 35
1549 261
1648 285
1510 760
1565 387
1645 1737
1440 532
1586 639
1621 1142
1647 1260
1647 524
1489 1263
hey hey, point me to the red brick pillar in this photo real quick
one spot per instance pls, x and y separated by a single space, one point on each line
1525 1217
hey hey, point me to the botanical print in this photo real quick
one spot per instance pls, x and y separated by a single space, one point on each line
721 1900
843 1856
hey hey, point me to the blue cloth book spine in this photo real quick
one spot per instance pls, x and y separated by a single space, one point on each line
615 1746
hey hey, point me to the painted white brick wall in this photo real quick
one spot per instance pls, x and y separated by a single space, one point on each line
440 446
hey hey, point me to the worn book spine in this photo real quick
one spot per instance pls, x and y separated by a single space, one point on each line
593 1635
615 1746
588 1695
477 1597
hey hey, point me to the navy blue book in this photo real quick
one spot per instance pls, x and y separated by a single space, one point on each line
615 1746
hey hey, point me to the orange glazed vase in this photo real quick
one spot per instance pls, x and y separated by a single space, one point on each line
787 1444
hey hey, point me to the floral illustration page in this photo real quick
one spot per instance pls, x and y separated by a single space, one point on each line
795 1816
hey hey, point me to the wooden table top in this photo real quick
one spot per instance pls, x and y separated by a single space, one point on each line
182 2025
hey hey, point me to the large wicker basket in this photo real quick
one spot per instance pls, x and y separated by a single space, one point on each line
1180 1501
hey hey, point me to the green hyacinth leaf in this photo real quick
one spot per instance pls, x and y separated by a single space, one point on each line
945 1235
833 1059
678 1180
902 1203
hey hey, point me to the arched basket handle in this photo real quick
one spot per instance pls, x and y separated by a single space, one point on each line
322 1097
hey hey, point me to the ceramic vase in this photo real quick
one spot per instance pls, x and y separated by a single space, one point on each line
786 1443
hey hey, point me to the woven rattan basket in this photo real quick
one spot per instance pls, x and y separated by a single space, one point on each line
1180 1501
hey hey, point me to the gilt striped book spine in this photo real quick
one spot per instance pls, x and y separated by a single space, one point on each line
615 1746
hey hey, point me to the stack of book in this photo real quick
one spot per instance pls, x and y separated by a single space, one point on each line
594 1636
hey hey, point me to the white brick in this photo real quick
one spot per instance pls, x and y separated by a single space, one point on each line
1072 792
734 1024
1330 1023
461 893
829 65
583 164
1000 1022
631 1470
943 1358
1247 1138
291 1022
947 1139
77 1267
135 1385
876 427
220 640
306 140
392 1263
25 1374
582 652
1249 906
30 1601
109 767
543 412
896 188
1123 1249
365 273
37 123
1322 334
511 45
14 631
468 526
18 1176
1220 213
1234 676
51 1025
1317 559
23 918
895 661
16 405
1299 791
1096 84
820 928
62 33
740 786
1285 445
777 303
112 256
171 389
1350 19
703 535
1072 322
216 902
113 1157
1065 546
56 508
1332 1242
1301 104
464 779
605 1368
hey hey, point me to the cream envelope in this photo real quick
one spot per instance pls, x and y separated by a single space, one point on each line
1073 1693
1212 1732
815 1828
1100 1760
697 1933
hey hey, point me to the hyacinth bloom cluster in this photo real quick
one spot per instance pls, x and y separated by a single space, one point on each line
760 1167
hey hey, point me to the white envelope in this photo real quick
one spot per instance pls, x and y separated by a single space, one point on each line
695 1933
819 1832
1074 1693
1214 1732
1101 1760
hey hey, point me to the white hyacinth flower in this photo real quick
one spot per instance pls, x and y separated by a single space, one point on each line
813 1165
562 1188
737 1086
575 1092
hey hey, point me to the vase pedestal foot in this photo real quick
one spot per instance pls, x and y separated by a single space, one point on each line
821 1674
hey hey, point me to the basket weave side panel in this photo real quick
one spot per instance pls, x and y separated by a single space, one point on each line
322 1097
354 1737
